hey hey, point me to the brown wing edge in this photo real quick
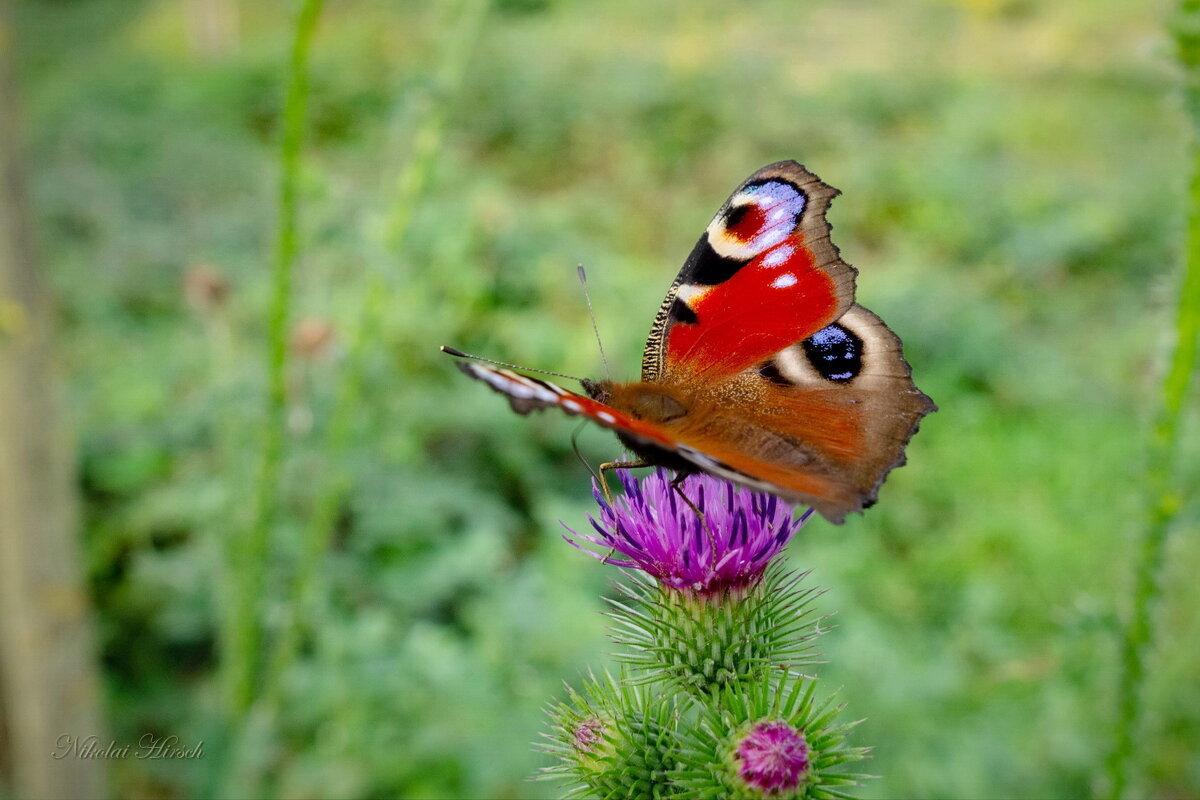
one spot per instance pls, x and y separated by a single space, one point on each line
927 407
923 407
743 472
815 225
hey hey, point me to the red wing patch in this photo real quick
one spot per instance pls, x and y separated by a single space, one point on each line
779 298
526 394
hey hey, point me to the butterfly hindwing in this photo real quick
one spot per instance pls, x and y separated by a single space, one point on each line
821 422
845 396
762 276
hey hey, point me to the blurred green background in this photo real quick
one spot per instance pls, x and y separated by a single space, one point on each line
1014 179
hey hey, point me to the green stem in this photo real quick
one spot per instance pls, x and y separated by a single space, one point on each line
464 31
1162 487
250 552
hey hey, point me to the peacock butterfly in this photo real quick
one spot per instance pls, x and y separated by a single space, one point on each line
760 368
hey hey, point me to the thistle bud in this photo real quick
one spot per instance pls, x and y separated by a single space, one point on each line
766 739
612 739
772 758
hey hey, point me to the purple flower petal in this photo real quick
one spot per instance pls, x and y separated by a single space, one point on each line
657 533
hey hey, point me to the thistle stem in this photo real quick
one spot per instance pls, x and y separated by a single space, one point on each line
413 178
1163 494
248 553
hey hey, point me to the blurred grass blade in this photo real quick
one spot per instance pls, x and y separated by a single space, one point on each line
248 553
463 31
427 141
1163 493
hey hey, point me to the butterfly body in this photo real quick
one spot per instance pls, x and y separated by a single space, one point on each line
759 368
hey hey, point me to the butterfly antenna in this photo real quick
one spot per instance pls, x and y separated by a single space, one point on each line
454 351
591 313
578 454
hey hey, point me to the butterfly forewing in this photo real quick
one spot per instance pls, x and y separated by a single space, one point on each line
763 275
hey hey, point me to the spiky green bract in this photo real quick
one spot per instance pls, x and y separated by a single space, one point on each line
615 739
712 769
701 643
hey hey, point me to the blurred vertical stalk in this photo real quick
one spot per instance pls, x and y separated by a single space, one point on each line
463 30
48 675
1163 491
247 553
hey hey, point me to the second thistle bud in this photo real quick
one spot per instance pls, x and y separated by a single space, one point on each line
773 757
769 739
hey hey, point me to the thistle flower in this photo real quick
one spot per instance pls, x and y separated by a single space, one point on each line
725 547
716 610
714 628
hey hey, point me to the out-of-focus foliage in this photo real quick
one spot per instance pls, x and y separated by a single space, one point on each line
1013 178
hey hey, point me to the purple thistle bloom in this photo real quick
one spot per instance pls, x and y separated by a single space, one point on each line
773 756
654 530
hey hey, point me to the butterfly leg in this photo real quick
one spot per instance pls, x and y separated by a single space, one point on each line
677 485
611 465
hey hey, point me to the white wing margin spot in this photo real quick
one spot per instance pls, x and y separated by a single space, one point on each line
524 394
